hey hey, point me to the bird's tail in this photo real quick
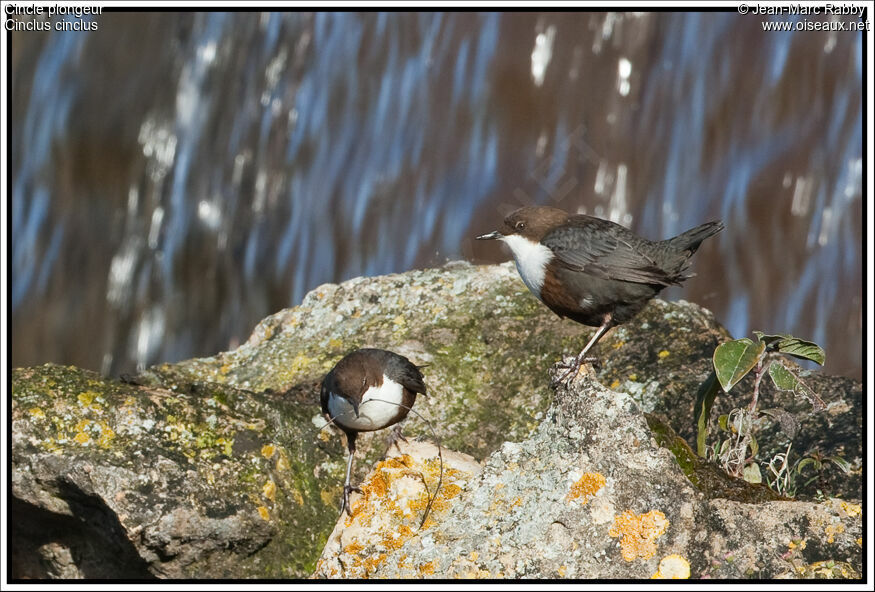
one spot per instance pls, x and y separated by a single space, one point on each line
692 238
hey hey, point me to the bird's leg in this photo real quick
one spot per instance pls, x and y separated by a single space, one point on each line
347 488
581 357
394 436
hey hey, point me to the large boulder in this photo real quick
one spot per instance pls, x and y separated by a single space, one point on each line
592 495
219 466
113 480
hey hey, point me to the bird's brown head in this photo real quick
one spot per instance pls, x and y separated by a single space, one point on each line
531 222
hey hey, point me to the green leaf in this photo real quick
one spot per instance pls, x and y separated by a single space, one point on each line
805 350
793 346
754 447
702 411
751 473
808 461
786 380
734 359
841 463
723 422
769 339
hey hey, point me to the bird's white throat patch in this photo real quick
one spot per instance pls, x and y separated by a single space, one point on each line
379 405
531 260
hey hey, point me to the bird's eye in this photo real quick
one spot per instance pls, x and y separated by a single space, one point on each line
520 225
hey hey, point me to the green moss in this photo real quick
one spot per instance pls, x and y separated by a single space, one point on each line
196 428
706 477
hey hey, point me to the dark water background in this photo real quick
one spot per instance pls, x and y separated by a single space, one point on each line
177 177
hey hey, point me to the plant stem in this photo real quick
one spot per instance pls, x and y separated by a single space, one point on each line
758 376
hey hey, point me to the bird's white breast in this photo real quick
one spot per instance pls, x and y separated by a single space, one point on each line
379 405
531 260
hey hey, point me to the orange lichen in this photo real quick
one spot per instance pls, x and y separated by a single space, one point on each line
639 533
450 490
353 548
262 511
586 487
426 569
673 567
370 564
267 450
392 503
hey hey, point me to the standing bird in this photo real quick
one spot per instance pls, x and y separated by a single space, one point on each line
368 390
594 271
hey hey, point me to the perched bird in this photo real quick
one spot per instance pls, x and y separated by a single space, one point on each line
369 389
594 271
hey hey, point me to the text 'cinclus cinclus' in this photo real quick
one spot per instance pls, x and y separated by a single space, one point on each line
594 271
369 389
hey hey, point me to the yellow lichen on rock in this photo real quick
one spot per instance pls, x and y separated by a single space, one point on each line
106 435
268 450
86 398
851 509
269 490
586 487
828 570
832 530
673 567
639 533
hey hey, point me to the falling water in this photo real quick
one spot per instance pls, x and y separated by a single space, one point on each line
176 177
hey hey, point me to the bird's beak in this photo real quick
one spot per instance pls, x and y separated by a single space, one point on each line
491 236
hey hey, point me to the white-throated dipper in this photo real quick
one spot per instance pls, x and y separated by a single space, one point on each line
594 271
368 390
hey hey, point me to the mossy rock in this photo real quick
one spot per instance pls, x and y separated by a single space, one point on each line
220 483
487 343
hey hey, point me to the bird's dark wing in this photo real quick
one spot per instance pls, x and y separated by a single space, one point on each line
412 380
323 397
607 250
405 373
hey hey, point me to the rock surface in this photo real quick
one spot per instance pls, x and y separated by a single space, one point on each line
177 472
591 495
400 498
114 480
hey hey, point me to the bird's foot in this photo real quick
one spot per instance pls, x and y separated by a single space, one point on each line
394 436
572 369
347 489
